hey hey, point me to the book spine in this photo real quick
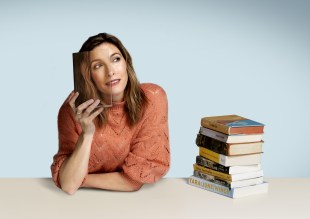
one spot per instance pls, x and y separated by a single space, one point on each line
211 164
249 175
206 153
207 185
213 134
215 126
212 144
212 172
211 178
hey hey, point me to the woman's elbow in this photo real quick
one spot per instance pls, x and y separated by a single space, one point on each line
68 187
70 190
136 187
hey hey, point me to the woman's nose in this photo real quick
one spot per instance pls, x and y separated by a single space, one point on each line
111 72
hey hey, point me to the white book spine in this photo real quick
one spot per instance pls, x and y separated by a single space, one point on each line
244 169
247 182
249 175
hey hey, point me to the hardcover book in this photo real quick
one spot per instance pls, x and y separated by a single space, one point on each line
230 177
202 161
226 161
232 124
226 191
211 178
230 138
228 148
227 183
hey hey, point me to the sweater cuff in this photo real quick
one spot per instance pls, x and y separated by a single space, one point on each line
55 168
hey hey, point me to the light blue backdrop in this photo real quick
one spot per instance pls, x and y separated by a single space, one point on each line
250 58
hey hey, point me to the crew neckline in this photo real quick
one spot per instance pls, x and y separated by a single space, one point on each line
119 106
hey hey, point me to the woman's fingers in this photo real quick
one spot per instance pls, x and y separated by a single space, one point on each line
91 108
83 106
72 100
68 98
86 113
95 113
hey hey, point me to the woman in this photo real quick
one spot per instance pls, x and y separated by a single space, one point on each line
118 148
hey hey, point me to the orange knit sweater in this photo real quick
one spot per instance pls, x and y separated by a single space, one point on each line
141 153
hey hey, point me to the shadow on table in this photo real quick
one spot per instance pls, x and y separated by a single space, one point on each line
48 183
160 182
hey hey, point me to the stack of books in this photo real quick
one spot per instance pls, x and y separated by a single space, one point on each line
229 160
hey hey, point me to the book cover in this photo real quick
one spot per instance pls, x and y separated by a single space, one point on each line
211 178
228 148
224 190
230 138
230 177
227 183
236 160
223 176
202 161
80 69
232 124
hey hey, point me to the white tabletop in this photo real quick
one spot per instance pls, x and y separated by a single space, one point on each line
168 198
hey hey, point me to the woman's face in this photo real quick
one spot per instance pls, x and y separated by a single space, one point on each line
108 69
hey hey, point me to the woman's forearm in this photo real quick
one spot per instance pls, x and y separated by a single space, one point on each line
110 181
75 168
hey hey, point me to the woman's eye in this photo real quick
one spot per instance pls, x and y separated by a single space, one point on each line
97 66
116 59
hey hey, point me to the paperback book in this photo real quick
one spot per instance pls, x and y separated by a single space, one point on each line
236 160
230 177
228 170
232 124
242 138
79 69
226 191
228 148
227 183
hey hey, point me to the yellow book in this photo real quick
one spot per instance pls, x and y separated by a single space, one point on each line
236 160
208 171
229 177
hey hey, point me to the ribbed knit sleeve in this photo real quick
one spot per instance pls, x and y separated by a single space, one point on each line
149 157
67 138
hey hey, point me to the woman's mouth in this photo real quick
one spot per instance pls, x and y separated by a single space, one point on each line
113 82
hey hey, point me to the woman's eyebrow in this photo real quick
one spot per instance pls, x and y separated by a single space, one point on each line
113 54
94 60
116 53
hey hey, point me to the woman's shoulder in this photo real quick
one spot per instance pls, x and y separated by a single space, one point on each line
156 97
153 90
65 110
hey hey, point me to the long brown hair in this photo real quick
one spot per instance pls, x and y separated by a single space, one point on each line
134 97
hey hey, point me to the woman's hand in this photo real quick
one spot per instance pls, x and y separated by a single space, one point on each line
84 113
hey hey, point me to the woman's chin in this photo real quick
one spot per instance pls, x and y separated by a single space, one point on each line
117 94
117 97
